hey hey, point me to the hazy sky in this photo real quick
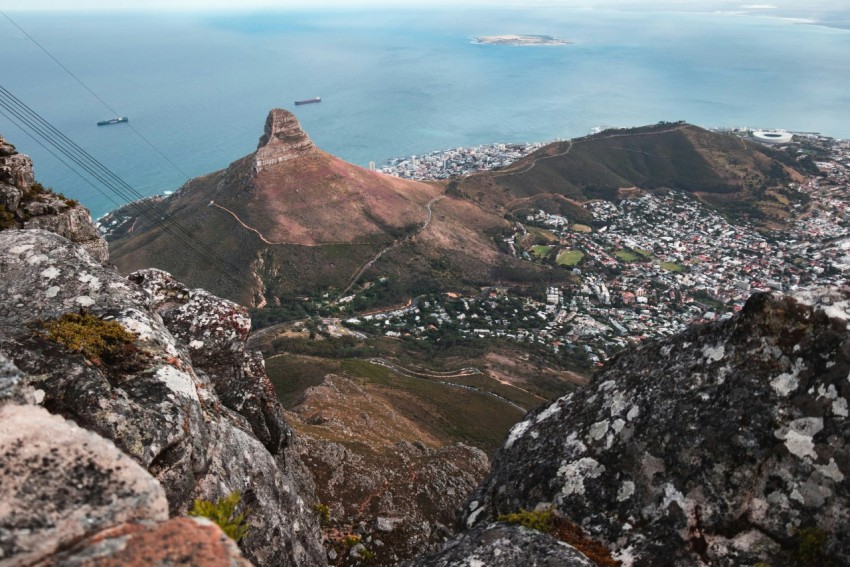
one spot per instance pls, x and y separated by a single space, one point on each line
204 5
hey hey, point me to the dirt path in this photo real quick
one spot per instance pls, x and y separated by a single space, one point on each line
530 167
252 229
441 380
468 371
394 244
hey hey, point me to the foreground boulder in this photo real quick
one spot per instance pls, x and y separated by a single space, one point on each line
71 497
147 396
728 444
59 482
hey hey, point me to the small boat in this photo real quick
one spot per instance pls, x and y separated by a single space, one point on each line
309 100
116 120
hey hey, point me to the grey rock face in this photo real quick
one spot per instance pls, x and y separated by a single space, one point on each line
213 331
22 206
70 497
504 545
719 446
152 403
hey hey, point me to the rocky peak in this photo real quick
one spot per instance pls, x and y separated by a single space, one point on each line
282 140
15 168
24 203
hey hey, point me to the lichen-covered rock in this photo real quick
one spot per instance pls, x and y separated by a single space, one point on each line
504 545
71 497
726 445
213 331
12 387
60 483
26 204
150 400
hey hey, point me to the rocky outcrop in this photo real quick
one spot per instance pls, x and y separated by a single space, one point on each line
726 445
503 545
70 497
15 172
383 478
214 331
26 204
149 398
401 502
282 140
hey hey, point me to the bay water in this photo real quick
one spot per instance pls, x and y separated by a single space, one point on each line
396 82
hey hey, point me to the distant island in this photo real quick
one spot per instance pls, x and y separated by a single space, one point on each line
519 40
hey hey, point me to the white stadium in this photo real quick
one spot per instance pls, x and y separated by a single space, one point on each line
772 137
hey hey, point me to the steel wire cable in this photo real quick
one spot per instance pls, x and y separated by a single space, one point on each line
115 184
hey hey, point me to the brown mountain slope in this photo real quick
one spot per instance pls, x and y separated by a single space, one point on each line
738 177
293 220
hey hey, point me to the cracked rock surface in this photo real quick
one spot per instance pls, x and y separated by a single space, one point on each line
504 545
153 402
719 446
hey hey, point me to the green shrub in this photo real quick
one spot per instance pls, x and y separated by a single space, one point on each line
324 512
223 513
7 219
95 338
542 520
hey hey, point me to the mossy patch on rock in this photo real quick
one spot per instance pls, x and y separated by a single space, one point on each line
95 338
548 521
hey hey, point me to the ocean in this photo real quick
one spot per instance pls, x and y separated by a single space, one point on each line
401 82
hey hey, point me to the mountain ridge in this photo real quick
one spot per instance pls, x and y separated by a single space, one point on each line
290 207
304 222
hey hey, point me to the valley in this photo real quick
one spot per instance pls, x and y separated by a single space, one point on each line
406 345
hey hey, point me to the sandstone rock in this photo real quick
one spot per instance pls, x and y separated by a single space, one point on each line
282 140
387 525
152 402
60 483
22 206
75 224
502 545
717 446
181 541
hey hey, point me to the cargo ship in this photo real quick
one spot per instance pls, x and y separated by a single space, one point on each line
116 120
309 100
